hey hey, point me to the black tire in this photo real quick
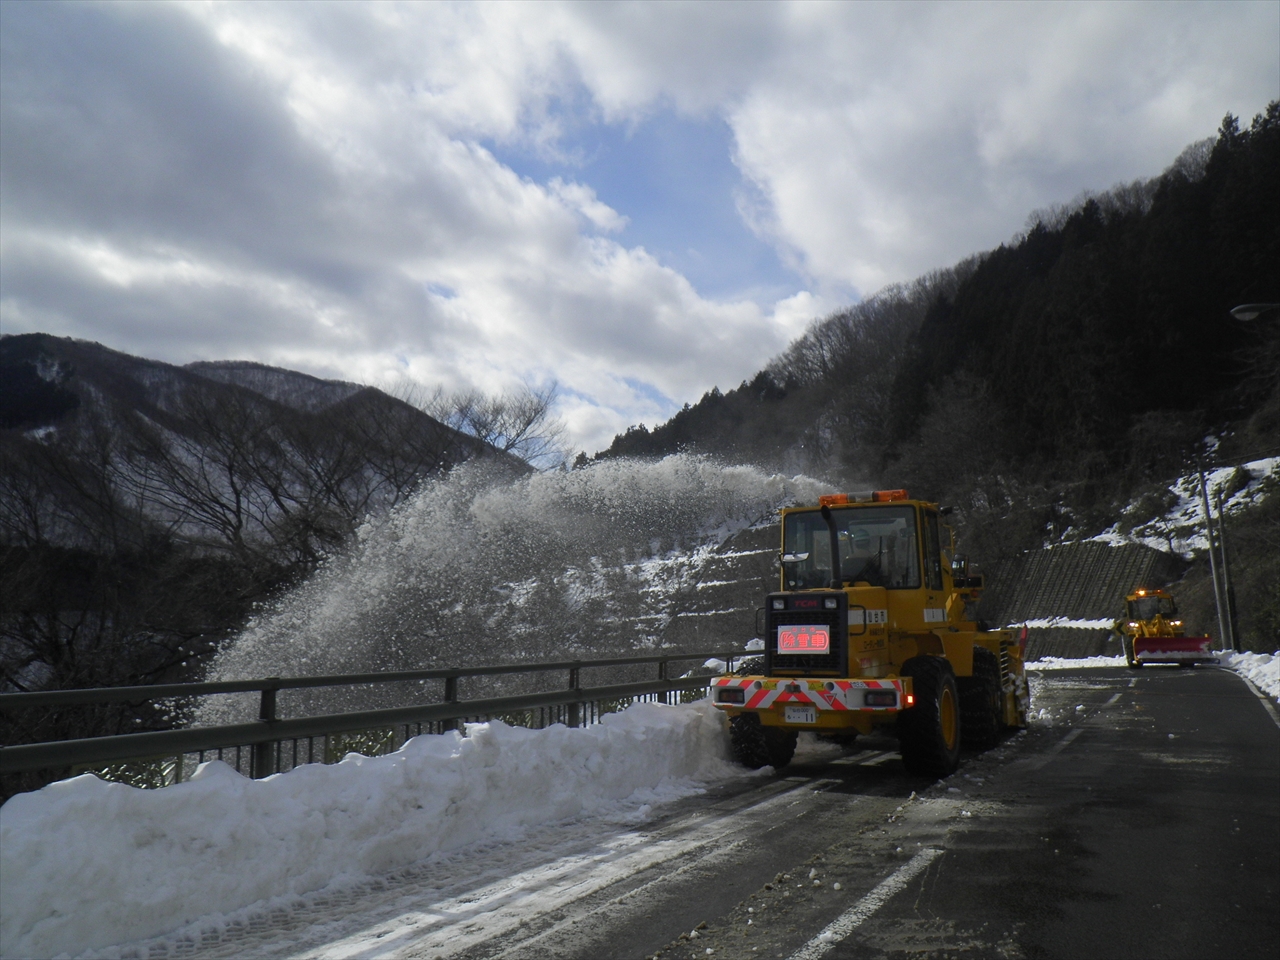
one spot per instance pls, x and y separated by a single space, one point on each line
781 746
1129 657
754 745
980 712
929 732
746 741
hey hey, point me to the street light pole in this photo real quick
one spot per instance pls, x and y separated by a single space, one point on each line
1213 560
1228 587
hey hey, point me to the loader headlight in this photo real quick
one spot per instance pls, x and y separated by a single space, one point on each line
779 604
831 603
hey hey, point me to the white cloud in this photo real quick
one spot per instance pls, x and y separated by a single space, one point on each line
306 184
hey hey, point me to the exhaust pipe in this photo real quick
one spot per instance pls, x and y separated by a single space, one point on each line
837 582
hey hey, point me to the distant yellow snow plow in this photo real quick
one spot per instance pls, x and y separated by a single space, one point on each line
1151 632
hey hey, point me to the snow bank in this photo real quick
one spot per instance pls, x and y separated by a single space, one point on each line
1063 663
1263 669
85 864
1053 622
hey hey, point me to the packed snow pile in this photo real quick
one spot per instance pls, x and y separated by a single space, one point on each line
85 864
1262 669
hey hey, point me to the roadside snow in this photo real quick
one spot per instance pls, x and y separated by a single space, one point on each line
85 864
1063 663
1065 622
1263 669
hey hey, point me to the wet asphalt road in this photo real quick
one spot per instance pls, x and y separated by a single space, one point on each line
1138 817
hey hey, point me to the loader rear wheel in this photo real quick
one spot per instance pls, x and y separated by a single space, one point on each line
781 745
746 741
980 702
929 732
755 745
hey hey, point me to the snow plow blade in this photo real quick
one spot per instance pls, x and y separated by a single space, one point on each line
1173 650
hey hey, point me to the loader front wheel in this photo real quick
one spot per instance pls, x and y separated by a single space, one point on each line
929 732
1129 657
980 712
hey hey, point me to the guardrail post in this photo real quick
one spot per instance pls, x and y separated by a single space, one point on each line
450 696
575 708
263 761
662 675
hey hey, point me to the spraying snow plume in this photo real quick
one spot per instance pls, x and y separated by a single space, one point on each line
483 567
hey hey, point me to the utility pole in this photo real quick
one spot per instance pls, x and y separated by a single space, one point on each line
1223 631
1228 587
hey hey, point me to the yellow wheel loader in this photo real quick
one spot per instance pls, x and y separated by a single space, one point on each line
873 629
1152 632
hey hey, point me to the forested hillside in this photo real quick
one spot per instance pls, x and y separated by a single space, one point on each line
1039 386
146 508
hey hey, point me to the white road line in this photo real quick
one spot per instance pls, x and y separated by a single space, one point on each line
1057 748
1113 699
865 908
1266 701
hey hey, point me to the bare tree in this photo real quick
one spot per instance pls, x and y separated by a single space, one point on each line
520 422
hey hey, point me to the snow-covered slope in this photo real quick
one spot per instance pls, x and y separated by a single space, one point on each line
1180 529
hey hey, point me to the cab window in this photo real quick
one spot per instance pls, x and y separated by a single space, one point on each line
932 553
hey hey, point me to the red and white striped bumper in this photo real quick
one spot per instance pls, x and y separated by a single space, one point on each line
763 693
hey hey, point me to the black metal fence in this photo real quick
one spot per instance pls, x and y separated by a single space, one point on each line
273 744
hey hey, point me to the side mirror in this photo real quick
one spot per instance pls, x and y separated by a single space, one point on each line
960 565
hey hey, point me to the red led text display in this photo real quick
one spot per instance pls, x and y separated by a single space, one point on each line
804 638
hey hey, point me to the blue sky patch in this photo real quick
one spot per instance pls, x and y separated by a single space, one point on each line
673 178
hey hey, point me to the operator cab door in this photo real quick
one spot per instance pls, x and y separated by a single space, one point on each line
934 601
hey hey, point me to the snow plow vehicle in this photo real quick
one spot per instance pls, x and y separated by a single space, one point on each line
873 629
1151 632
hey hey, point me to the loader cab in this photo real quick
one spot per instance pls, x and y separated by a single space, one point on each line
882 541
1147 605
878 546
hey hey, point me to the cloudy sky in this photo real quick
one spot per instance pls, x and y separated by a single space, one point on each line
636 201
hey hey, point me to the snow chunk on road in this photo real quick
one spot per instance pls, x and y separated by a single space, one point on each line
85 864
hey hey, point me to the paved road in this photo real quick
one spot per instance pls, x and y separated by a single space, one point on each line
1148 827
1139 816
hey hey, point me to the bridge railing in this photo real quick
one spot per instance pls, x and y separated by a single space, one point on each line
272 744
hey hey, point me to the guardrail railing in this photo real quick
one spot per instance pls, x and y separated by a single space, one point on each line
263 743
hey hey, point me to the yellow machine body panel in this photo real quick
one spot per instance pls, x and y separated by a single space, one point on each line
884 590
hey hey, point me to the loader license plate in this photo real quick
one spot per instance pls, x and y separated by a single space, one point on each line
800 714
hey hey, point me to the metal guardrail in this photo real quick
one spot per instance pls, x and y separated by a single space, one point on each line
266 735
